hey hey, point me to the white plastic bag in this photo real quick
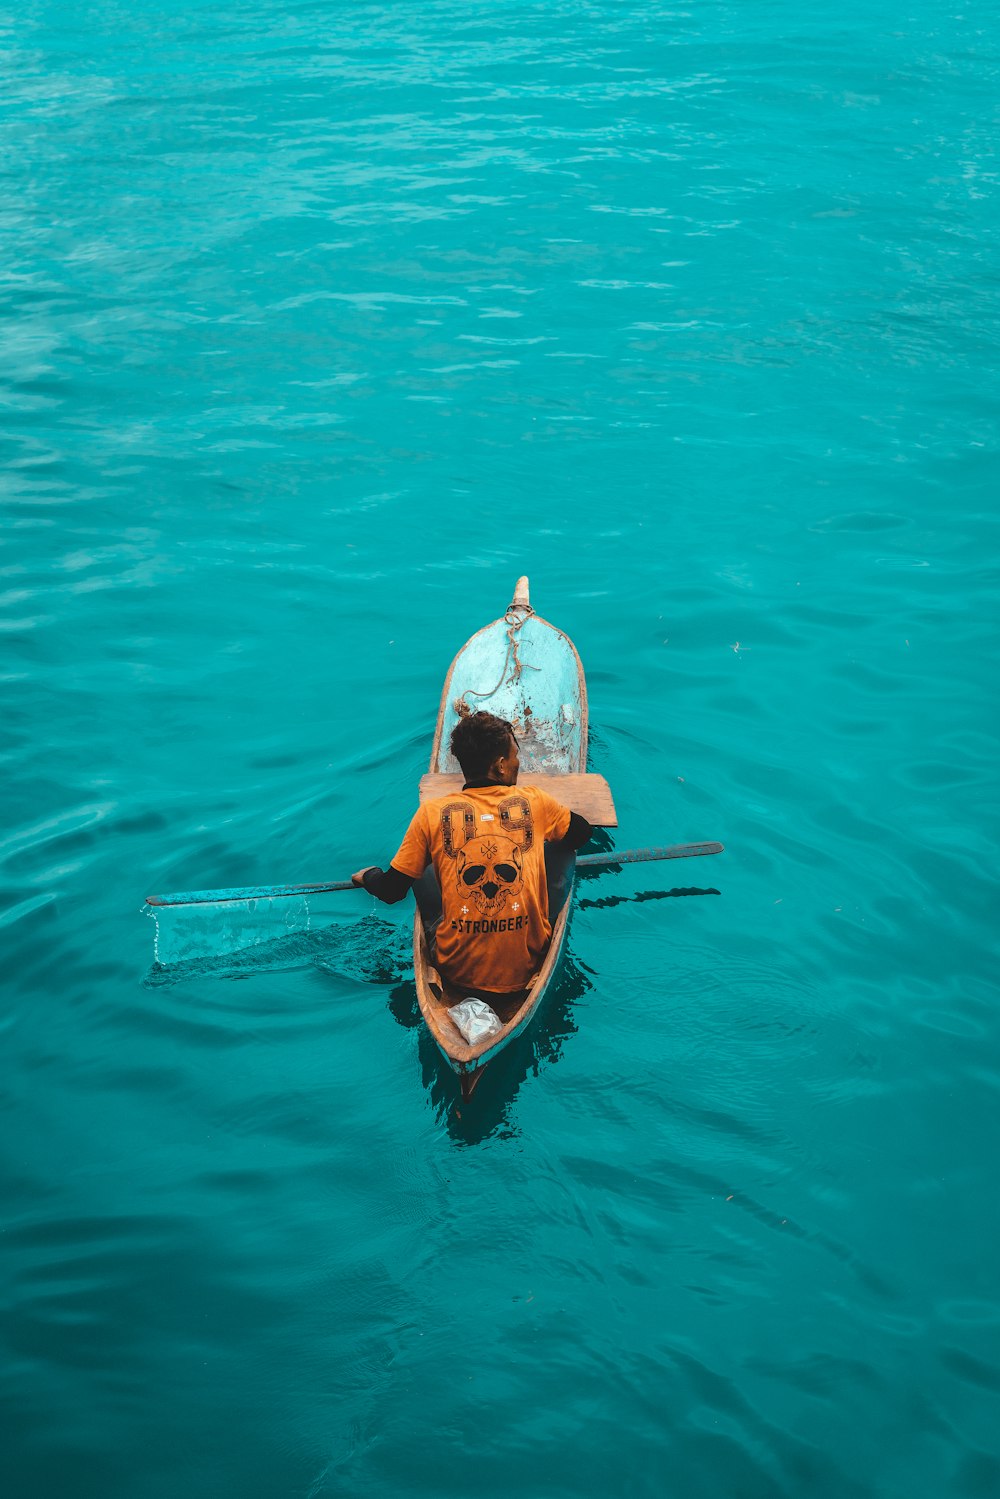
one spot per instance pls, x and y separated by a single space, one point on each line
476 1020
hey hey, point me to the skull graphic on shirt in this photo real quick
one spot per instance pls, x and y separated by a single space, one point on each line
489 872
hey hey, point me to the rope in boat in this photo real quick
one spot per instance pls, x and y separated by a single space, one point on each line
514 618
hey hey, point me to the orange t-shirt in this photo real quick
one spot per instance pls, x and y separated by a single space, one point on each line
486 844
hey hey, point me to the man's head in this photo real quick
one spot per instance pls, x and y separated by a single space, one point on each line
486 749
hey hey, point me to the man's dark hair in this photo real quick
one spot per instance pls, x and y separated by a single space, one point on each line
478 740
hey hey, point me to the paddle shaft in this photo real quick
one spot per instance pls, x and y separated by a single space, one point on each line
273 892
248 892
644 855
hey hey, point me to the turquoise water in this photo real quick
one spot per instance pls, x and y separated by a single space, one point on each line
319 325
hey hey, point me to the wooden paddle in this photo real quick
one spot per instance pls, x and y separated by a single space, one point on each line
643 855
272 892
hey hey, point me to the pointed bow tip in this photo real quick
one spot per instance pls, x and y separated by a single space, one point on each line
521 593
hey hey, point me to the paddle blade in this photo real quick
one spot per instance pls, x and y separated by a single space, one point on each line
210 929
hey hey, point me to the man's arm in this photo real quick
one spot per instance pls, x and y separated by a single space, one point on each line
388 885
577 834
391 885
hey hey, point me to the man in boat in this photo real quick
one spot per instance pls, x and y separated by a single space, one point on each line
486 844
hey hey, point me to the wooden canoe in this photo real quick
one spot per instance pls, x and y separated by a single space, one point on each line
523 669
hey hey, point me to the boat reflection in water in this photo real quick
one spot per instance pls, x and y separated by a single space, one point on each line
487 1112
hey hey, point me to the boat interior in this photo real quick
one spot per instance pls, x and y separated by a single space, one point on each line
559 867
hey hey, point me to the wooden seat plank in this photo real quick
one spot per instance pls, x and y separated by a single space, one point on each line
589 794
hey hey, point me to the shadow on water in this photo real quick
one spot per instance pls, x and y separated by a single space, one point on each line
373 951
486 1113
623 900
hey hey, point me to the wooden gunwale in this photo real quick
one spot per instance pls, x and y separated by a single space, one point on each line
434 994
